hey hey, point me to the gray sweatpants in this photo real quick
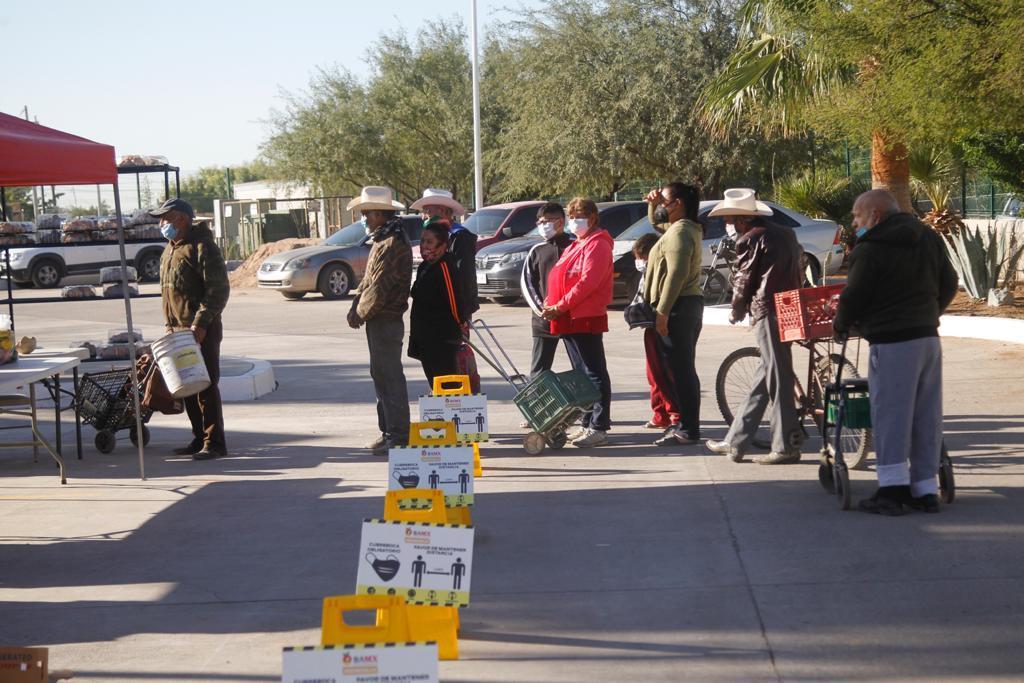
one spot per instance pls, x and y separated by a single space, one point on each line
384 338
905 380
773 381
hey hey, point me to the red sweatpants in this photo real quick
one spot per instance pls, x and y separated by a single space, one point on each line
663 404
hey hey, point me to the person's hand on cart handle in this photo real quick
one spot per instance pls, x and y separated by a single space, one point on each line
552 312
199 333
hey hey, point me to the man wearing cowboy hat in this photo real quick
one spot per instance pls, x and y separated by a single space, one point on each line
379 303
441 205
768 261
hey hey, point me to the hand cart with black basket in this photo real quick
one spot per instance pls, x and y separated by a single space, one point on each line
104 400
550 403
807 314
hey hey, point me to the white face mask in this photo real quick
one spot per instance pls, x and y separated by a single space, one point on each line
579 226
730 228
365 226
547 230
641 266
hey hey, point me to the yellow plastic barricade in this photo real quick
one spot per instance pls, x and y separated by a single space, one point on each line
452 385
396 622
434 514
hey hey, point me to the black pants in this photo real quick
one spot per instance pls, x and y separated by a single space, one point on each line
439 361
684 326
204 409
543 354
586 352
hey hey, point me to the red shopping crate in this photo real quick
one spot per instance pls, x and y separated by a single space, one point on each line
807 313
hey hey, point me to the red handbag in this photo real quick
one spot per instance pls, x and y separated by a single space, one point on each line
465 361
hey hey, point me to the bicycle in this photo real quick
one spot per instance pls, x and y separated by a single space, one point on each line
735 379
715 286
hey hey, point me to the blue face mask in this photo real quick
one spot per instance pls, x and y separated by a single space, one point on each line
168 231
861 232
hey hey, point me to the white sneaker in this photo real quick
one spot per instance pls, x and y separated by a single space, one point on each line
592 437
578 433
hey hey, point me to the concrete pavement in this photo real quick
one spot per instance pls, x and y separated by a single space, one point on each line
623 563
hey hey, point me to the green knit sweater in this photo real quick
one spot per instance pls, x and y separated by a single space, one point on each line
673 266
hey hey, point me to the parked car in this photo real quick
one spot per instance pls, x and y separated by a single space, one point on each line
819 238
45 265
502 221
500 266
333 268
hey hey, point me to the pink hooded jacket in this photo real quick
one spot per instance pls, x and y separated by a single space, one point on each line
581 284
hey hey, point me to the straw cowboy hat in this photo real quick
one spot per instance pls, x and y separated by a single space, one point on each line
434 197
375 198
740 201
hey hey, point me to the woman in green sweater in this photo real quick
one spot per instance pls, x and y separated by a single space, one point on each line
672 287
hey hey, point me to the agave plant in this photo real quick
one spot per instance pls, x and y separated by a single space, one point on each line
933 174
984 259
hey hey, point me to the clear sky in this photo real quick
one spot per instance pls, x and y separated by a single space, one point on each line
97 69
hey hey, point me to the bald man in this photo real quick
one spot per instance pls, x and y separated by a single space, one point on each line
900 281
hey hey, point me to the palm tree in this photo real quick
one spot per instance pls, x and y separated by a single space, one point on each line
778 72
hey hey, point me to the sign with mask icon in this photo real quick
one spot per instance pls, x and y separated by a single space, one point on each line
448 468
371 663
424 563
467 411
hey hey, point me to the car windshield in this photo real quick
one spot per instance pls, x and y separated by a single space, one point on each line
485 222
637 230
347 236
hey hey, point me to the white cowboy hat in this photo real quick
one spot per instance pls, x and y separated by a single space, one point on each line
435 197
375 198
740 201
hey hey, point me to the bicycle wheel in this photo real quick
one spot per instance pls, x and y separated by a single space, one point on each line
736 377
716 288
855 442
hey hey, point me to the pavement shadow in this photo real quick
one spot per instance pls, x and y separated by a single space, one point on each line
653 572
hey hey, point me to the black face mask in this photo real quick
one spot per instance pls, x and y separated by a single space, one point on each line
661 215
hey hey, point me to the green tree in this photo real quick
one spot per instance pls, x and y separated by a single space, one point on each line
599 95
408 126
1000 155
917 72
211 182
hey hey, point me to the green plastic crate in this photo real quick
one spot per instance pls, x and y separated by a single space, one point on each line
856 413
550 398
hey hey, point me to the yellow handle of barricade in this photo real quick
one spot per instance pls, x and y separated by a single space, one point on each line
435 514
417 438
461 382
390 626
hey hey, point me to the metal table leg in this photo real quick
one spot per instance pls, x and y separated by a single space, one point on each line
38 436
78 416
56 405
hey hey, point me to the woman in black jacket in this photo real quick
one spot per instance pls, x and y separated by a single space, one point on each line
436 321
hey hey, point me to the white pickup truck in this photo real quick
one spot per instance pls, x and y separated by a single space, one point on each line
45 265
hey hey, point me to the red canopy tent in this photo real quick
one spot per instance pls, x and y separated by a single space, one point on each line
31 154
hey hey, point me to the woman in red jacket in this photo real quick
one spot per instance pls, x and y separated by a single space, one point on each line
579 291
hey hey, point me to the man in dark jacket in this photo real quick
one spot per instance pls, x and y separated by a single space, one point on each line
194 291
768 261
534 282
441 205
900 281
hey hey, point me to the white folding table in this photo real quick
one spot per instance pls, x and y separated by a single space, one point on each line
27 372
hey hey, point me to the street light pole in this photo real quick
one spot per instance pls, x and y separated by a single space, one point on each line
478 173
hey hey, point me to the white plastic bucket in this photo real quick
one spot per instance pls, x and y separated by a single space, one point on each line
181 363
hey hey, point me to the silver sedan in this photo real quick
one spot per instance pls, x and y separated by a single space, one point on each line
332 268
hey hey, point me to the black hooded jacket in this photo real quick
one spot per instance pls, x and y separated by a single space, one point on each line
900 281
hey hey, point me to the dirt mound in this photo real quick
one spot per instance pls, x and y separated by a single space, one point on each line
245 274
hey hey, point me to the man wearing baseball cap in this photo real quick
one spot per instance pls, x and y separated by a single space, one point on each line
194 290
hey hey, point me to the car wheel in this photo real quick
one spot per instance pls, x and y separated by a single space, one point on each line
46 273
811 270
293 296
149 267
335 281
505 300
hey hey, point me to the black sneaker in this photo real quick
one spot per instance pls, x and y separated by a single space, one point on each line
192 448
929 503
888 500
